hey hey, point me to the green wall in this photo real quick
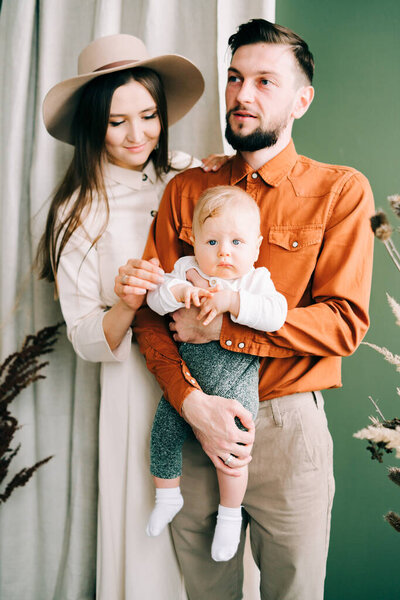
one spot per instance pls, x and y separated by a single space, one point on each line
355 120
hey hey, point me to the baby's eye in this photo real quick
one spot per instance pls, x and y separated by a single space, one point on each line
212 242
236 242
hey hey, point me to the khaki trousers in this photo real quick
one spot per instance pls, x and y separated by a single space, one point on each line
287 507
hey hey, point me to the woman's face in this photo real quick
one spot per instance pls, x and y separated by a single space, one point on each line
133 128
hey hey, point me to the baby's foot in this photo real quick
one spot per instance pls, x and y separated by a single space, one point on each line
227 533
169 502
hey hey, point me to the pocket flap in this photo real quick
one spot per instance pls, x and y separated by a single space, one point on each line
185 234
295 238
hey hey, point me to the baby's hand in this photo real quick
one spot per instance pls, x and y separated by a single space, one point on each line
194 295
221 301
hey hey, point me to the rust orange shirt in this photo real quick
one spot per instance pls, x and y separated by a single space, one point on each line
317 244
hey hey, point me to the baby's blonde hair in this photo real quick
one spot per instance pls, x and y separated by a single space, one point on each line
216 200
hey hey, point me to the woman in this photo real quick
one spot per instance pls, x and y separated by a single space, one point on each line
116 113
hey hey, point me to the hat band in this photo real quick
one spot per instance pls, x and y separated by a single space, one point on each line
115 64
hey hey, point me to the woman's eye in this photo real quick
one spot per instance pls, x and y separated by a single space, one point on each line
115 123
153 116
212 242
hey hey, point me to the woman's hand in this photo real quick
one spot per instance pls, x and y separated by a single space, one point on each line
135 278
214 162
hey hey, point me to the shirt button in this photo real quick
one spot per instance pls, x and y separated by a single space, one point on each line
295 244
153 213
213 282
254 175
241 345
228 342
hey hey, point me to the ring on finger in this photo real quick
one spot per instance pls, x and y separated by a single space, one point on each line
229 460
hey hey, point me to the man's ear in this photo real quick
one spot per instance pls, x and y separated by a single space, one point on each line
304 98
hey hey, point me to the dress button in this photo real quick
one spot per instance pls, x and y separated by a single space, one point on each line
241 345
153 213
228 342
144 177
187 373
192 381
295 244
254 175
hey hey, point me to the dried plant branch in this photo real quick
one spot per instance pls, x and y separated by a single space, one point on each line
17 371
393 359
395 306
393 519
394 475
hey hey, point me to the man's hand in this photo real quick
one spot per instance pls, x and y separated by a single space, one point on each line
212 419
187 328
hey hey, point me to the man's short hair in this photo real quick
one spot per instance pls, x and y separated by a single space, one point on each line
261 31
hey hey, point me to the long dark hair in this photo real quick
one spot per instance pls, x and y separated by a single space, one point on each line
84 174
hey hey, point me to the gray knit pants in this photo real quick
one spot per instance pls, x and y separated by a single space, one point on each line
219 372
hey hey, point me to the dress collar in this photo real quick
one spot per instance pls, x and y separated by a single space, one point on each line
273 172
135 180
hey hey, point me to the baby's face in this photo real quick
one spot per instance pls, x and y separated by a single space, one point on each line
227 245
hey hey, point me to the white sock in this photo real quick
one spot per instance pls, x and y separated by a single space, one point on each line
169 502
227 533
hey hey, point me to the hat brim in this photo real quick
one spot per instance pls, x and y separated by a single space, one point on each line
183 85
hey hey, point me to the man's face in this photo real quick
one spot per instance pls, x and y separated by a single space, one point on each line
263 80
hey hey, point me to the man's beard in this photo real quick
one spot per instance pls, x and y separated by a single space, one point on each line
257 140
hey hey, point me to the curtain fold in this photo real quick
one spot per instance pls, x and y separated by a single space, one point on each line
48 527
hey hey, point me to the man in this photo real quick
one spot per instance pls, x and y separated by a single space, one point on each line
317 245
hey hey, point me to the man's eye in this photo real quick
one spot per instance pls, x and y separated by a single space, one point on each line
265 82
236 242
212 242
233 79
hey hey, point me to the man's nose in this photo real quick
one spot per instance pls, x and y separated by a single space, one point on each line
245 94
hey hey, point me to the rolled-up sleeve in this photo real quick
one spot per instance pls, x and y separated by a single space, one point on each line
78 280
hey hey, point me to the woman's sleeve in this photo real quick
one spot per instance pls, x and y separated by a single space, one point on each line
78 279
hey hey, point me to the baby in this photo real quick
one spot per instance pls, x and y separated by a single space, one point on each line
226 240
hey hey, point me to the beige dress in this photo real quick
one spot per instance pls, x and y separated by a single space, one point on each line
130 565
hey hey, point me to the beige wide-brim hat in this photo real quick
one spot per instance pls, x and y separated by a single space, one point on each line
183 83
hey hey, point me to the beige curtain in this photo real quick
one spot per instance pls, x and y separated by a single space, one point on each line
48 528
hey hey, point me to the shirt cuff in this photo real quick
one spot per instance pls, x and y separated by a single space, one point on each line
90 343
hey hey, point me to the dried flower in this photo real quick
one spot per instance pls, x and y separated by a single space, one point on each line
16 373
393 359
381 434
381 226
394 475
394 202
393 519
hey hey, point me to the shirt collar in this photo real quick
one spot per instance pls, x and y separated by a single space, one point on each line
273 172
135 180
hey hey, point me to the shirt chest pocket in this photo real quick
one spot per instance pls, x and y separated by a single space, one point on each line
293 253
